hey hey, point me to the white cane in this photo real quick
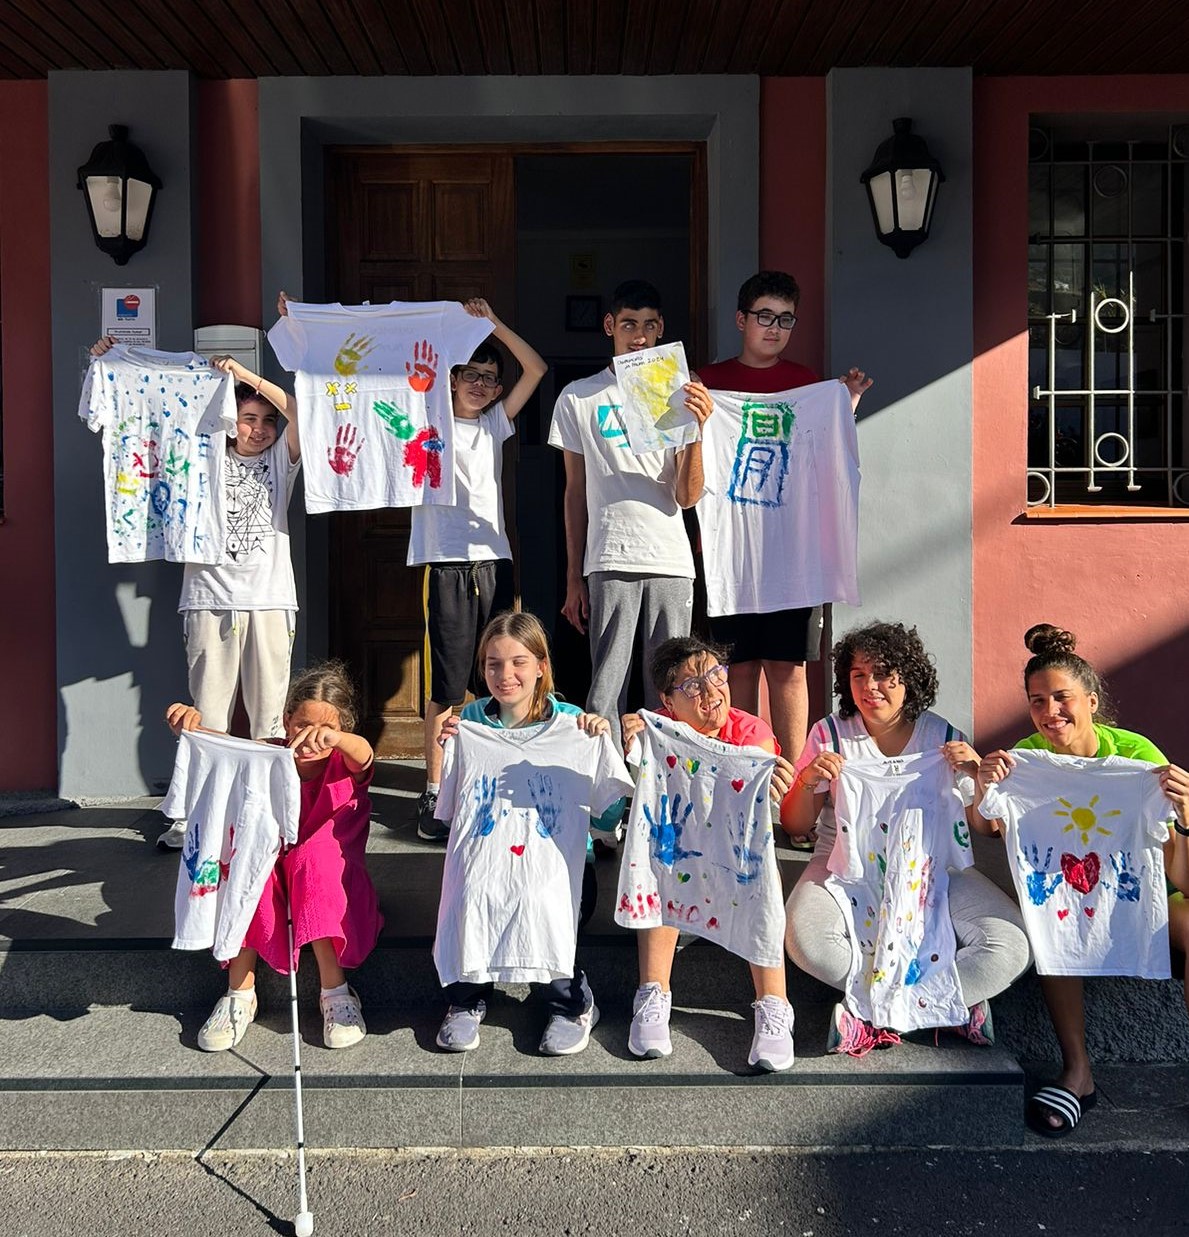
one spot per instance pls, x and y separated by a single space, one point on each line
303 1225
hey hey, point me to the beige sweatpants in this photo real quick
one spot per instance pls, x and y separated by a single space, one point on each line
249 649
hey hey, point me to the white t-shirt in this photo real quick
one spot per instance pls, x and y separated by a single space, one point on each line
520 802
472 530
849 738
1087 838
634 523
779 514
901 827
163 416
374 391
257 569
240 800
699 854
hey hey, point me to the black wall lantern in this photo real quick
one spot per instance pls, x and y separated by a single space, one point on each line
902 185
120 189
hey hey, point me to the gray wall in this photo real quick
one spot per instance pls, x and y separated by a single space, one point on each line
909 323
120 658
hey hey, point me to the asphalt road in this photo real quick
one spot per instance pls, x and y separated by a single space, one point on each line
1050 1190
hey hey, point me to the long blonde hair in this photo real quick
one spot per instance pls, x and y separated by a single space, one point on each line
525 629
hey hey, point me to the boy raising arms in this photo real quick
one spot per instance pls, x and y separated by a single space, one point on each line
779 643
463 543
627 553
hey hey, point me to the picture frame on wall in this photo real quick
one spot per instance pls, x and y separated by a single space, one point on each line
584 313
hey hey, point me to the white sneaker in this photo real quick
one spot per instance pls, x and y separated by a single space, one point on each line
772 1044
342 1019
648 1036
228 1023
174 838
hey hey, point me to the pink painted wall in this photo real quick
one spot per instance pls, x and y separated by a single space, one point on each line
228 145
1120 586
28 726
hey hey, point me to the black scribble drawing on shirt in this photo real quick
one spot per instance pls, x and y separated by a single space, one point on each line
249 508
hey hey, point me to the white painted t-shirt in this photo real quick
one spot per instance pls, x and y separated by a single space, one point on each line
520 802
240 800
163 416
699 854
901 827
1086 839
779 514
634 523
374 392
257 569
472 530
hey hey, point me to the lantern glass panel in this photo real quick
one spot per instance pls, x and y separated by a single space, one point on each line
139 197
881 194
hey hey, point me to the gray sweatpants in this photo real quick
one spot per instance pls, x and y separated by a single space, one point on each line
992 948
619 602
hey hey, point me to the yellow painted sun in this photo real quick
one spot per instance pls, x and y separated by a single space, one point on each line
1085 820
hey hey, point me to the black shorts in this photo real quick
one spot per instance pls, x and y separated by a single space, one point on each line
461 601
782 635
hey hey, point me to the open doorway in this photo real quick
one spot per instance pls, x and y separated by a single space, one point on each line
545 233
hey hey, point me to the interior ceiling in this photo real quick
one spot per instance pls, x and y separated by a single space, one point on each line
265 38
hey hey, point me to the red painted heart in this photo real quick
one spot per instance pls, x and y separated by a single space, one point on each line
1089 911
517 850
1062 914
737 784
671 761
1081 873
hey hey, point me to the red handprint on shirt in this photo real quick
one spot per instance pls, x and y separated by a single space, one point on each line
423 370
424 456
342 456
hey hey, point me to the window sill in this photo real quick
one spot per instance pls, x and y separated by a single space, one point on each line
1113 514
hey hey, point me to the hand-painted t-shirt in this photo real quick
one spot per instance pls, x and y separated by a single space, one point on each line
374 393
257 570
520 802
1085 838
779 514
240 800
901 827
699 854
163 416
471 531
634 523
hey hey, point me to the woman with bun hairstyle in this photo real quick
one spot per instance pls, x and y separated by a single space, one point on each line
1072 716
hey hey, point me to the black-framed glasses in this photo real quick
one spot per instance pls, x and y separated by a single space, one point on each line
766 317
478 377
693 687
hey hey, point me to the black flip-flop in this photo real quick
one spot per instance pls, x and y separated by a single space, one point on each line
1058 1102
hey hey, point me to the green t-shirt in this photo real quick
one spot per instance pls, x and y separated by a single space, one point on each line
1111 742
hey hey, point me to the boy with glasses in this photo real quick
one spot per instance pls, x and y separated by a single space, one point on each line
781 642
463 543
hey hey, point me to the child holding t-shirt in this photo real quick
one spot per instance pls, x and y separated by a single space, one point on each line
238 616
463 543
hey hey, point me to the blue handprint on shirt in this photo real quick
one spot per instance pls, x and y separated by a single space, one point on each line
666 831
484 793
750 862
1127 882
1040 882
204 874
540 789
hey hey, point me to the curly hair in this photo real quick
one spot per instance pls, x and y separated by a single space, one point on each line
669 656
889 646
1052 648
328 682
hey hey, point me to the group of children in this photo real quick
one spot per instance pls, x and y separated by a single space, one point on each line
514 784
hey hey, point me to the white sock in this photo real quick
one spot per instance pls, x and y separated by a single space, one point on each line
433 787
341 990
242 994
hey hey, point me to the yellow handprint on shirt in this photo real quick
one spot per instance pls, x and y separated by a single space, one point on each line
352 354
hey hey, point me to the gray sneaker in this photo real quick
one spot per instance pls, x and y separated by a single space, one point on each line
648 1036
429 828
174 837
565 1036
459 1031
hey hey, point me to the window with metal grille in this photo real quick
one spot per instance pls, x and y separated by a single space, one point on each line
1106 317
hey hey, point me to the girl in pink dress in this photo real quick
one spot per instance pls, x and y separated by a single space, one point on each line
335 909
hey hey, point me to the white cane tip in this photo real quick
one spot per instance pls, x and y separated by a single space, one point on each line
303 1226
